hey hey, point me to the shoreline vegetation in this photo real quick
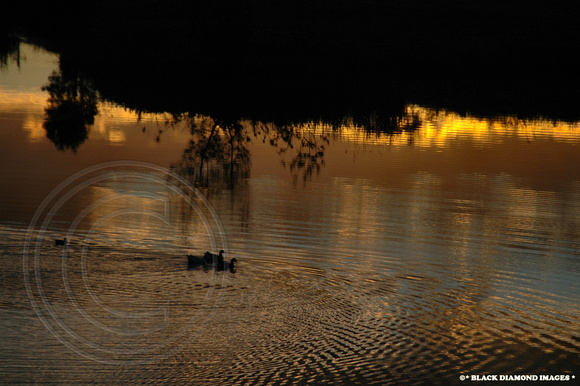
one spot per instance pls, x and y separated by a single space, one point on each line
294 61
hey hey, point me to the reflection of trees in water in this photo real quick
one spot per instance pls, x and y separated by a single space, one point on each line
9 50
300 147
72 106
217 151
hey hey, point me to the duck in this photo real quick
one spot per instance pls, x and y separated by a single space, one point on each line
211 260
227 266
60 242
193 261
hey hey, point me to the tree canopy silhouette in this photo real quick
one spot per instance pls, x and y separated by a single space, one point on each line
72 106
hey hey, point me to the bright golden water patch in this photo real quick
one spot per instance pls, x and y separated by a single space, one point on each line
33 127
21 100
438 128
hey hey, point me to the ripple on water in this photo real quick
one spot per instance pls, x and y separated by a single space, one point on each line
292 320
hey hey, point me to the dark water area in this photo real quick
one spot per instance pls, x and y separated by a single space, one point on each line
398 182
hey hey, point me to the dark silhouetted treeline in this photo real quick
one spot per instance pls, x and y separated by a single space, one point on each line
317 59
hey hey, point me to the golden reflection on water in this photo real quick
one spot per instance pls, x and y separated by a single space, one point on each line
141 211
438 128
18 101
441 127
33 126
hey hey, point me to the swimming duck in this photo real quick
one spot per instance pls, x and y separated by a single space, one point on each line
193 261
225 265
60 242
210 260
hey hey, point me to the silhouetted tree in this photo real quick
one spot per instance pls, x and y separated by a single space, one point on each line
72 106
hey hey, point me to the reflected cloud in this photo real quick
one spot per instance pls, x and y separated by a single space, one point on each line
117 137
33 125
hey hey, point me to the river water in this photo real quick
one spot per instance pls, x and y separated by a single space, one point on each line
415 257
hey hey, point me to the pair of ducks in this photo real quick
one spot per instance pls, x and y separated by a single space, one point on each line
210 260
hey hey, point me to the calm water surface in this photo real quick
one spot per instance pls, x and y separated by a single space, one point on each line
416 257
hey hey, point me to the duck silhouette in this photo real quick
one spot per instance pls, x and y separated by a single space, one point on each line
194 261
60 242
212 261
